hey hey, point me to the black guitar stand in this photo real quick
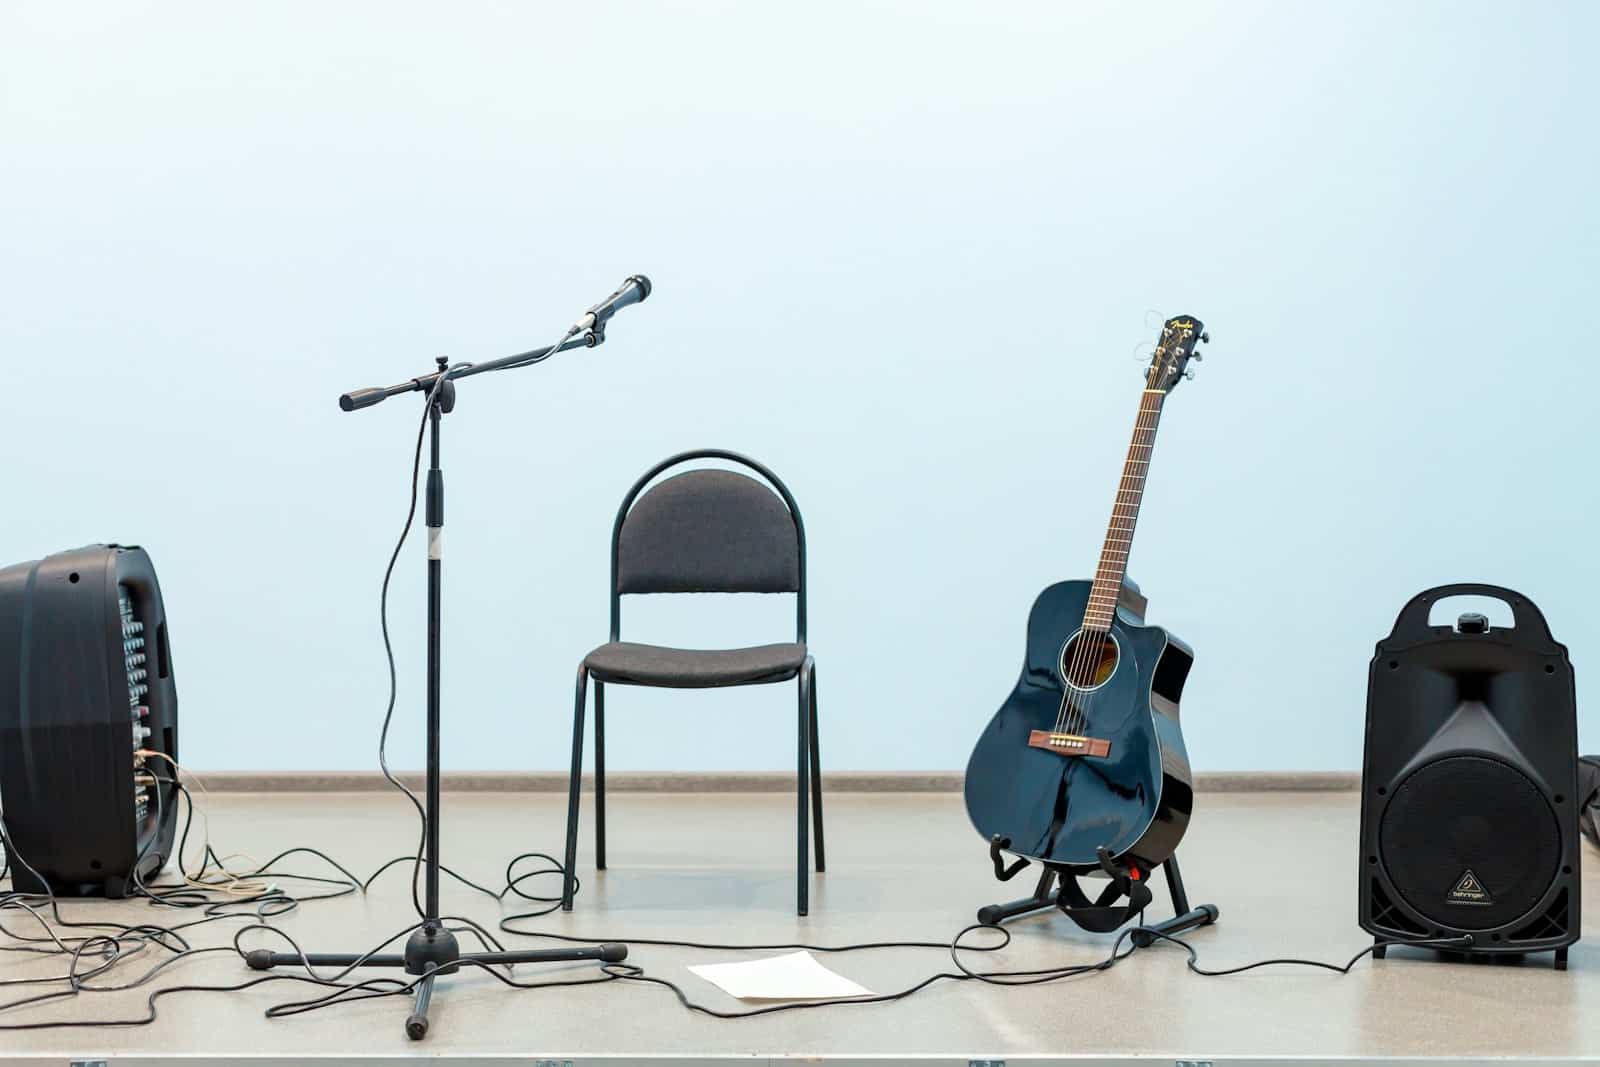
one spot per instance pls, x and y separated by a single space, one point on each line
432 949
1101 915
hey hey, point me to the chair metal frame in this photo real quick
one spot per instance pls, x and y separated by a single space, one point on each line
809 763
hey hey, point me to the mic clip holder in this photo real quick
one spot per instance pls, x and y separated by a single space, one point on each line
446 400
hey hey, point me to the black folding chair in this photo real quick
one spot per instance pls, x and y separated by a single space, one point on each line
705 530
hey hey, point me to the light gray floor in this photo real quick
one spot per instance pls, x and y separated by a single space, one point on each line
1281 867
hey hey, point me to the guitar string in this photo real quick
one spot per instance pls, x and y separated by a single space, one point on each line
1069 665
1069 717
1092 640
1143 438
1072 718
1144 427
1077 719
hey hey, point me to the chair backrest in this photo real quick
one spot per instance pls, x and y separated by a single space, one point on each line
708 530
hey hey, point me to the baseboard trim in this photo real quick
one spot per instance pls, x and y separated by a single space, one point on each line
728 782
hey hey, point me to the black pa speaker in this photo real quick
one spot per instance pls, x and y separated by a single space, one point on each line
86 686
1469 820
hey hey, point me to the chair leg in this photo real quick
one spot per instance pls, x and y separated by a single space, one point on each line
599 775
802 864
816 779
570 880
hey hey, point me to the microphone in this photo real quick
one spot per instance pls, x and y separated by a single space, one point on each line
632 291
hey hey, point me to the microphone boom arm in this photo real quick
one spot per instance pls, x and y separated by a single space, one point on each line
366 398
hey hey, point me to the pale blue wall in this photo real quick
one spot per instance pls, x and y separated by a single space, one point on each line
903 252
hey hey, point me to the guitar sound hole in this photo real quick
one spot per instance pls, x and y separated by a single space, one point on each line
1093 665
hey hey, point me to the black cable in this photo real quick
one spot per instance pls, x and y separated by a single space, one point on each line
195 891
469 883
388 644
1121 949
156 995
383 616
108 951
955 947
1193 961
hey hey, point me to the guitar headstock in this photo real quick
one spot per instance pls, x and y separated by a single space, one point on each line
1174 349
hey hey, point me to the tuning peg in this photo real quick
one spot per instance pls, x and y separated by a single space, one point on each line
1197 357
1205 338
1188 375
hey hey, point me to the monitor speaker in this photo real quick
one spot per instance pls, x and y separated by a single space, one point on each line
86 692
1469 820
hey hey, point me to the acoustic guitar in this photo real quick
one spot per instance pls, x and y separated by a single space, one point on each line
1086 754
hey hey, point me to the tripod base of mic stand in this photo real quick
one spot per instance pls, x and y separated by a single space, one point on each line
432 948
430 952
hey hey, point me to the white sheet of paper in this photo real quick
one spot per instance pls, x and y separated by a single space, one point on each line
797 976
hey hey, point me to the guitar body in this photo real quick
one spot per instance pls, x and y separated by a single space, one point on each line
1060 805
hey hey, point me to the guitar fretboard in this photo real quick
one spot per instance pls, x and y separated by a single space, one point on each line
1124 516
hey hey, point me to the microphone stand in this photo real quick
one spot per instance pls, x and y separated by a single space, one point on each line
432 950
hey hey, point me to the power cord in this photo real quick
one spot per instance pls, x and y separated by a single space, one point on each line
388 643
1193 961
95 955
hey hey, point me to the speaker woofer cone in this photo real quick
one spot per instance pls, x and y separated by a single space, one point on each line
1469 842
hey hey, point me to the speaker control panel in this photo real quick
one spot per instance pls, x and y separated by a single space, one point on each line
135 669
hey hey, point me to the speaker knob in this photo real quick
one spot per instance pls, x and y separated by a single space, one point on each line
1473 623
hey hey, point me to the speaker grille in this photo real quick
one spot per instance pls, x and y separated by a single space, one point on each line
1470 842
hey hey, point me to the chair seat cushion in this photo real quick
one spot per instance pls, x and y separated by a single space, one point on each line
693 668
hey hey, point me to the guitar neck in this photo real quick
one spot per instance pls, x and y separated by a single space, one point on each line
1113 565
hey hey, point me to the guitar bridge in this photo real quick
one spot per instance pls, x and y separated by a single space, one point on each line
1069 744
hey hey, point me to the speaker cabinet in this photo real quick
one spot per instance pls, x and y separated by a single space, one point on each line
1469 820
86 690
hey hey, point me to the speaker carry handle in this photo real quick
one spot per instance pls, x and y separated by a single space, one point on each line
1412 622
